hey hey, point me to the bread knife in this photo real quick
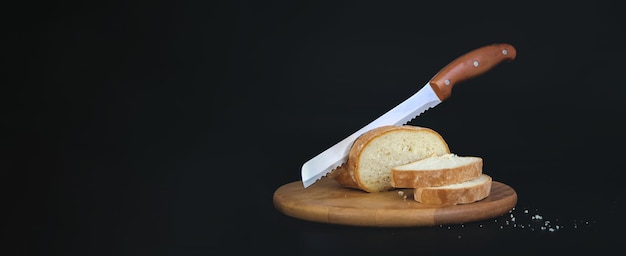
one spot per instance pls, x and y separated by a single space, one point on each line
436 90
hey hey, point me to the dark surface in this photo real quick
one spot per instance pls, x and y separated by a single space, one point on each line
155 128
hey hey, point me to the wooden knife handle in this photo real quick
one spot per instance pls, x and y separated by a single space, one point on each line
470 65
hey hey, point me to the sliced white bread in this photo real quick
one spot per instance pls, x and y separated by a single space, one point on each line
375 152
440 170
459 193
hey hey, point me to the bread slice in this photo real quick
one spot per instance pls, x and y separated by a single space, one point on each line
438 170
459 193
375 152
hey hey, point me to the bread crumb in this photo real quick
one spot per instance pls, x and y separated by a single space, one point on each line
402 194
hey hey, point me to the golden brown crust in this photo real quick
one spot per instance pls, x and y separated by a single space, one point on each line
343 177
347 174
453 196
432 178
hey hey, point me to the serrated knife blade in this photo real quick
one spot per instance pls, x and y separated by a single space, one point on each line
436 90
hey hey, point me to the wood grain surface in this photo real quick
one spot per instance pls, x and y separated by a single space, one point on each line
328 202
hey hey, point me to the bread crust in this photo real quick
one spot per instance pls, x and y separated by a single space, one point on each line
453 196
348 174
344 177
433 178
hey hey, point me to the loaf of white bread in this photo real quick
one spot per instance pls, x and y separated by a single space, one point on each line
375 152
393 157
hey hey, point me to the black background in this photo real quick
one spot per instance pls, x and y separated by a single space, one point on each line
163 128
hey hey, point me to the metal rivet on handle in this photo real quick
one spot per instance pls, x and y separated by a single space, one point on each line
475 63
447 81
505 52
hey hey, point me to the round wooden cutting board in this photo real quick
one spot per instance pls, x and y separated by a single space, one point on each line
328 202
